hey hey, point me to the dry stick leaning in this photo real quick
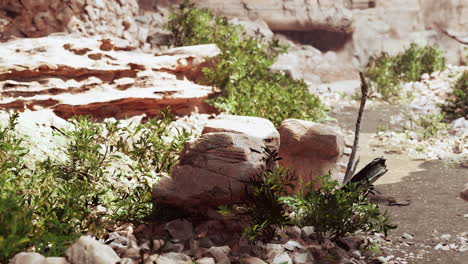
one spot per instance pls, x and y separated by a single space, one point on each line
364 90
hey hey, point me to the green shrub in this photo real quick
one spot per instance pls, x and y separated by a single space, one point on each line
337 212
15 216
104 173
457 106
264 205
242 69
386 72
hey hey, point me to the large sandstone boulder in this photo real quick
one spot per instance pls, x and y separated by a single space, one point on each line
252 126
309 149
212 170
101 77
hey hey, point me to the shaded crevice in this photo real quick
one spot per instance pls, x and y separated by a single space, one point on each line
322 40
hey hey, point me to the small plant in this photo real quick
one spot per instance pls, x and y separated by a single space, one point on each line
264 205
430 126
242 69
386 72
337 212
457 106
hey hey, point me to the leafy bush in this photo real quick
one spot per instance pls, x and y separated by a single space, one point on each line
387 71
264 205
15 216
105 173
457 106
242 69
337 212
333 211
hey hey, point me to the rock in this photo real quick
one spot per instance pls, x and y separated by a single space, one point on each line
180 229
271 251
293 232
307 232
301 258
205 261
127 261
464 193
249 125
56 73
309 149
173 258
252 260
57 260
220 254
212 171
407 236
282 259
28 258
292 245
90 251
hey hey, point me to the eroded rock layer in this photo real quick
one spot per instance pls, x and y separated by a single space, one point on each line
101 77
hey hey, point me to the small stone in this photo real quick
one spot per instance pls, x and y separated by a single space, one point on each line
292 245
173 258
272 250
252 260
282 259
221 254
301 258
407 236
442 246
307 231
445 237
293 231
205 242
356 254
180 229
382 259
205 261
27 258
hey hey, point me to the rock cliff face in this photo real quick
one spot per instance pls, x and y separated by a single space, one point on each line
101 77
360 28
297 15
39 18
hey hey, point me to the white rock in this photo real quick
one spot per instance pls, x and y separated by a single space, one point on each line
445 237
301 258
282 259
252 126
252 260
205 261
442 246
407 236
28 258
221 254
173 258
292 245
90 251
272 250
